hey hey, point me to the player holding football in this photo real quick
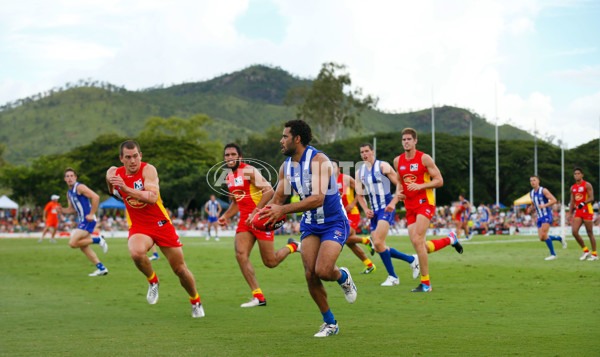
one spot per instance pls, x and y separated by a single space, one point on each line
419 176
324 227
542 200
346 185
582 196
136 182
250 192
374 178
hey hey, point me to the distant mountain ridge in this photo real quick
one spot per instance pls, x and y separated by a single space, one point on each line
241 103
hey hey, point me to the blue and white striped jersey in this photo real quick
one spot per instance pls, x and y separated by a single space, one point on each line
538 199
81 203
377 185
300 178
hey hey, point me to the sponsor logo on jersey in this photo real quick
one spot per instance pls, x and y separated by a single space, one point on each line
409 178
138 185
579 197
238 181
238 194
402 168
414 167
581 189
134 203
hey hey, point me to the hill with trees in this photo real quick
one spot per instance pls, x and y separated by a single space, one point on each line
239 105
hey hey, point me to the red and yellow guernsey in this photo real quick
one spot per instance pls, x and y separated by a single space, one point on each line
243 191
411 171
141 214
580 194
347 194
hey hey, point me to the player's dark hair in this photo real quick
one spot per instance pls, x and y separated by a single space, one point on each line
70 169
367 144
235 146
300 128
577 168
337 162
130 144
412 132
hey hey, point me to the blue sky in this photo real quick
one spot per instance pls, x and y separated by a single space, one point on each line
536 61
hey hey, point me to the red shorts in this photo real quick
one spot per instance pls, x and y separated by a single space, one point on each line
354 220
424 210
260 235
52 223
164 236
584 214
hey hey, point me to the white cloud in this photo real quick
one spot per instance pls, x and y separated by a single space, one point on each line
396 50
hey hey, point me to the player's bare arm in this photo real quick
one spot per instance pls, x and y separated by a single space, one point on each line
230 212
590 193
391 174
399 188
94 199
349 182
550 197
110 173
572 204
151 190
261 183
436 177
321 173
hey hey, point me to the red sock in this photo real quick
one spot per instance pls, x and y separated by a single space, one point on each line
439 244
195 300
153 279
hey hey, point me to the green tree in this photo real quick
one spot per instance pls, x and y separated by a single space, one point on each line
328 105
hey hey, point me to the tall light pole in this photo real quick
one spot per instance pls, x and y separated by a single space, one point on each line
497 161
535 172
562 187
471 160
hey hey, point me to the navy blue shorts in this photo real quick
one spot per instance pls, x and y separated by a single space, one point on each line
542 220
381 215
87 226
337 231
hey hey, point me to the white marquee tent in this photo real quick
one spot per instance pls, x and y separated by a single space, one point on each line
7 203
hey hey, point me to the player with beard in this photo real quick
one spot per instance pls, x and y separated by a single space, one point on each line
250 192
582 196
324 227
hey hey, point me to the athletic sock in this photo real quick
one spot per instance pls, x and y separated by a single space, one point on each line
556 238
153 279
399 255
368 262
594 253
328 317
585 250
436 244
292 246
100 266
550 246
366 240
343 278
425 280
387 262
195 299
258 294
95 240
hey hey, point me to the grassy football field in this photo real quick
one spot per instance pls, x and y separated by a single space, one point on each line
499 298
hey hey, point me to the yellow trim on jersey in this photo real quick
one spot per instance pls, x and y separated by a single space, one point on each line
255 194
429 191
350 198
162 208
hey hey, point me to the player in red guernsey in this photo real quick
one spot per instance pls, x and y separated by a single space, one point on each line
582 196
346 186
250 192
136 182
418 177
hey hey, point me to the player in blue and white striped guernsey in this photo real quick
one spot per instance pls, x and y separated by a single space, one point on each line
324 227
374 178
542 201
213 211
84 202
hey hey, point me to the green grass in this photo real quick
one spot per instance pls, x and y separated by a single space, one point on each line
494 300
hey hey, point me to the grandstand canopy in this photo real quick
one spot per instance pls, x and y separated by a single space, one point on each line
7 203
